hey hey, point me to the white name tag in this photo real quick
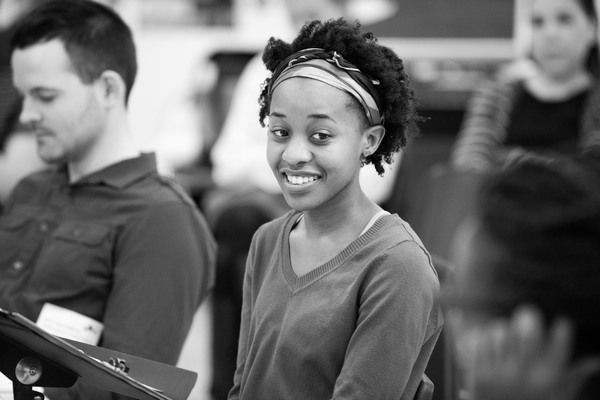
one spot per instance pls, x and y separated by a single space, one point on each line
69 324
6 388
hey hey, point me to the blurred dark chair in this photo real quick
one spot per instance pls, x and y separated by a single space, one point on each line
448 199
411 199
425 389
440 368
420 154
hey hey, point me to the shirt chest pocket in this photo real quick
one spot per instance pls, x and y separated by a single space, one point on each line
75 254
18 243
82 235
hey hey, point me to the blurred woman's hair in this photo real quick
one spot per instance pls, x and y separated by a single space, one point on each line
593 57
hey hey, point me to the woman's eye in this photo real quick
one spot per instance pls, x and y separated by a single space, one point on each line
321 136
280 133
537 22
565 19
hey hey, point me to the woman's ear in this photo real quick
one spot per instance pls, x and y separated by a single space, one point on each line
111 88
372 139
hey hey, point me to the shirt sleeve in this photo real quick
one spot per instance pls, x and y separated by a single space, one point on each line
483 129
397 326
164 268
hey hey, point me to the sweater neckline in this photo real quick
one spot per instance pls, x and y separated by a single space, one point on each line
296 282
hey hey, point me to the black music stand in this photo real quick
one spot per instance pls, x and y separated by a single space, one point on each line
31 356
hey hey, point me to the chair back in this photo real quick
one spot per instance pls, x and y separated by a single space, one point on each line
425 389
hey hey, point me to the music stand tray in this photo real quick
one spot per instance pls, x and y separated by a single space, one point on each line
30 355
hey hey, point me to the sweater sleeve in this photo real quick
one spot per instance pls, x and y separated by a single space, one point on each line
397 325
483 130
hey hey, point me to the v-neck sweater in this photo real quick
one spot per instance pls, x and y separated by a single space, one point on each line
360 326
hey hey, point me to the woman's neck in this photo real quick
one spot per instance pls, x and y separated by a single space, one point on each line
545 87
343 219
322 234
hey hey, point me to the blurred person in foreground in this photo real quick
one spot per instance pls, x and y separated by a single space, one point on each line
248 196
99 239
339 294
552 104
525 302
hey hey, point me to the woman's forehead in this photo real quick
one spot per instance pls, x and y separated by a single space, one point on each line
549 6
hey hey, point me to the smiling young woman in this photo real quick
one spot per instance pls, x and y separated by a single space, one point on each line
339 295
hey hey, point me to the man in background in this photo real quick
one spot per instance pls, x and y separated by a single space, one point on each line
99 246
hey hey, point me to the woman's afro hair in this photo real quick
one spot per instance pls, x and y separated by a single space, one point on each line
376 61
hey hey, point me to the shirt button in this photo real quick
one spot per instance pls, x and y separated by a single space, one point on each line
18 265
76 233
43 227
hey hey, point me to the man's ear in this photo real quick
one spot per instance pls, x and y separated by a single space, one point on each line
112 88
372 139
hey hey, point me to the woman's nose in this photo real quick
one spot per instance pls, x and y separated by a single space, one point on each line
297 152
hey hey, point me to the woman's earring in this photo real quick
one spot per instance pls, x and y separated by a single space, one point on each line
363 160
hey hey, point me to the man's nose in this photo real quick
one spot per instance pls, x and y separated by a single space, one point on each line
30 116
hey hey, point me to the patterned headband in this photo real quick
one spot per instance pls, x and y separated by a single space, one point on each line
334 70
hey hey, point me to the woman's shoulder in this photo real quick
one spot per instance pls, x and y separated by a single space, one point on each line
405 247
397 235
401 230
398 264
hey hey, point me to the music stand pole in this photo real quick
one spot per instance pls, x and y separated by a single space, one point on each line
25 392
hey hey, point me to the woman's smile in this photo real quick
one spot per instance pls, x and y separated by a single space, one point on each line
300 179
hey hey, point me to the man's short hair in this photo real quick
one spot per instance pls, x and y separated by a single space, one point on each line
95 37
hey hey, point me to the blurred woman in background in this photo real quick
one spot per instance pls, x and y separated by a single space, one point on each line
554 106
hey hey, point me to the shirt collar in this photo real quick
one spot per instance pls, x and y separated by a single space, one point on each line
123 173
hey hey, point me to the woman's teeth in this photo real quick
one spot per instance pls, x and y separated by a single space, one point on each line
300 180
